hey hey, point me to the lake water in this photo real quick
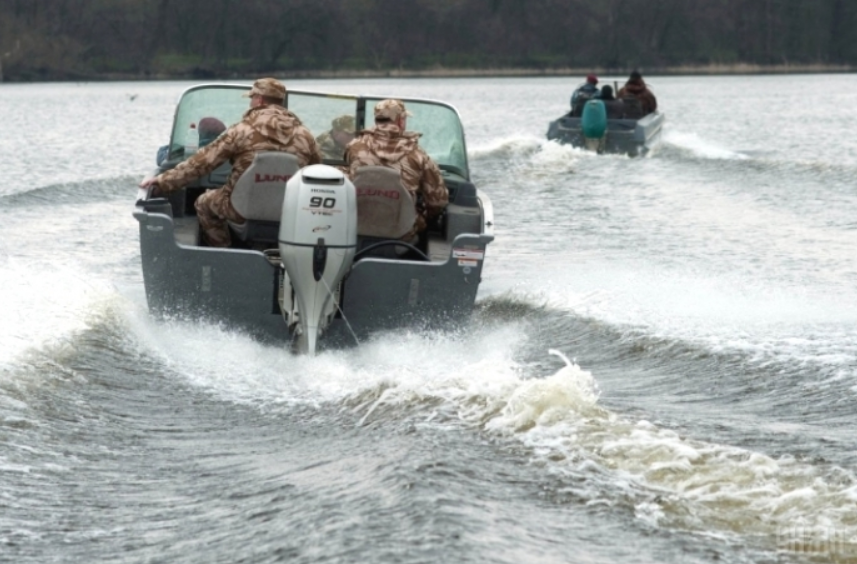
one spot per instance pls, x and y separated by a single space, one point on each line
705 296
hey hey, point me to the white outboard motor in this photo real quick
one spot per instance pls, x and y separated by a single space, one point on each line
317 240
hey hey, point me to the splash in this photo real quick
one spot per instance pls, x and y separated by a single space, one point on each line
508 147
473 379
673 481
44 305
700 147
411 368
544 402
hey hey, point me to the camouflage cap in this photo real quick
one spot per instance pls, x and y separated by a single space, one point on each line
343 123
270 87
391 109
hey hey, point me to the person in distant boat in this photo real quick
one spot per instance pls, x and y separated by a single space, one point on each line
389 144
266 126
637 88
210 129
333 142
615 108
585 91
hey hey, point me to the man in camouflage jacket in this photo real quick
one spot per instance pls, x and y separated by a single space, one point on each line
389 144
266 126
332 143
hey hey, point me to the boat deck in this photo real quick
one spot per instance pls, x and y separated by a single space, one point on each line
187 233
187 230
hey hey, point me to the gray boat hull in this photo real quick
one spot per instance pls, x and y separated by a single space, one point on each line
240 288
634 137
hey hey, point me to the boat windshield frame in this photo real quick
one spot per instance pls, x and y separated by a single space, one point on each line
439 124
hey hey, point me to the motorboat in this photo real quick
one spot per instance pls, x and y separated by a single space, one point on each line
617 126
320 261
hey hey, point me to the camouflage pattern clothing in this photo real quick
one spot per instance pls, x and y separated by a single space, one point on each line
328 147
387 145
264 128
269 87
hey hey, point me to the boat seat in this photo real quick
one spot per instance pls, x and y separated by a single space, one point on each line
385 208
258 196
633 108
615 109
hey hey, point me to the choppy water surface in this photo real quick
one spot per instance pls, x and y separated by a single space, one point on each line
663 366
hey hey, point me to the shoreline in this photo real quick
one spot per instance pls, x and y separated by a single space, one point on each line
443 72
683 70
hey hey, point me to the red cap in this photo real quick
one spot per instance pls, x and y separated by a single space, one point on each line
591 79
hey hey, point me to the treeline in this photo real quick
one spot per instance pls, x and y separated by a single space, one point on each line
91 39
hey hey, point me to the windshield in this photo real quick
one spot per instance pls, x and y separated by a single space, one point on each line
332 118
222 103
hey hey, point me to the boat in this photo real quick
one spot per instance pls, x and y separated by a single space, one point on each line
308 269
622 128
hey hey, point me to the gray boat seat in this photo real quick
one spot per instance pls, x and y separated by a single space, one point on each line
385 208
258 195
633 108
615 109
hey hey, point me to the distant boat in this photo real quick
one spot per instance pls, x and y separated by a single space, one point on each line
624 129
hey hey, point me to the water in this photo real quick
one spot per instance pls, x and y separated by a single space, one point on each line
663 366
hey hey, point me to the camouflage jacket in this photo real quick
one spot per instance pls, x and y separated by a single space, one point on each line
386 145
329 148
266 128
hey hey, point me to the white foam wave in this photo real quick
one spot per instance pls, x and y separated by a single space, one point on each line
701 147
673 481
238 368
548 401
555 158
532 157
505 146
43 304
474 379
725 313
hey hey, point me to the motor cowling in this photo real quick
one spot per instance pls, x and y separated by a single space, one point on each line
593 121
317 241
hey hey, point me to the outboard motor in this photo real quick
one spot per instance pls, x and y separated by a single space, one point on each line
593 123
317 240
